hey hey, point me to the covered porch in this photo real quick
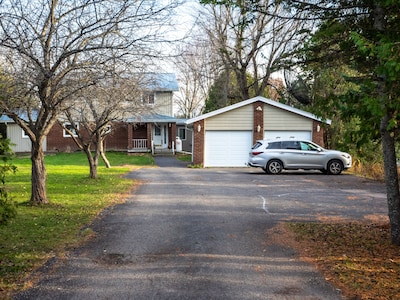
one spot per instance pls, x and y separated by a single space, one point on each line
155 133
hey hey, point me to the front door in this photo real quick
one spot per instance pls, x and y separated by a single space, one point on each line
160 135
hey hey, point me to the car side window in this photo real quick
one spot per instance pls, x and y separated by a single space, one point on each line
308 147
291 145
274 145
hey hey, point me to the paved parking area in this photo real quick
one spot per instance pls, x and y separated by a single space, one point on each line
203 234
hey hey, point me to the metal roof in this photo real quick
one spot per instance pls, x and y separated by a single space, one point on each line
154 118
160 82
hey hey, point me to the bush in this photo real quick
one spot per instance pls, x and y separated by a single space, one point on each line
8 209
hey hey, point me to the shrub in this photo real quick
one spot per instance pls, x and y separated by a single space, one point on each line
8 209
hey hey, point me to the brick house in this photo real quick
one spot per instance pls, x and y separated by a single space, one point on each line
157 130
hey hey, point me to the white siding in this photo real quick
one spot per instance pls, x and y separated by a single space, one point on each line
21 143
163 103
279 119
276 134
237 119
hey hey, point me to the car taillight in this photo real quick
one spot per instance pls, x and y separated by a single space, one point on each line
256 152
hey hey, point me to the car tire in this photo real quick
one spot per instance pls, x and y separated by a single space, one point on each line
334 167
274 167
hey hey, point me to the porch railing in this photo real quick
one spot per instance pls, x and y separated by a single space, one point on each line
139 144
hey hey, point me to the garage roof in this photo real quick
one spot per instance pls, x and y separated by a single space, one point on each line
255 99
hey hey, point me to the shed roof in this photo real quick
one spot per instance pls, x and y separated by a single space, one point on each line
255 99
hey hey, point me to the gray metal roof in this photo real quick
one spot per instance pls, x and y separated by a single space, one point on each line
154 118
160 82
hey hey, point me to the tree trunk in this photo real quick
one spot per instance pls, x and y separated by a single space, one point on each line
392 181
388 141
103 154
93 162
38 195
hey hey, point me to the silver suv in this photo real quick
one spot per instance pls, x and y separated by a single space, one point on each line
274 156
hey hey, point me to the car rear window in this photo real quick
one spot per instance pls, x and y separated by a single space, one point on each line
256 145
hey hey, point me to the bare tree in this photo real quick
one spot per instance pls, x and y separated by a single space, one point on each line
90 117
252 41
197 66
49 48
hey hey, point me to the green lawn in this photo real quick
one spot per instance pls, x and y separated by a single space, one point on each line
39 233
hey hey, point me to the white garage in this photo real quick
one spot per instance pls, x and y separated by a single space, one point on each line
223 138
227 148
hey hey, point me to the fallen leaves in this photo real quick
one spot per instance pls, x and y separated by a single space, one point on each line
357 258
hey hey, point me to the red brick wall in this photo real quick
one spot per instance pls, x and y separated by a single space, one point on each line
318 133
56 142
117 140
258 117
198 143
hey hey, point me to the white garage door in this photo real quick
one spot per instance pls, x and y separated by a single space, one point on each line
227 148
274 134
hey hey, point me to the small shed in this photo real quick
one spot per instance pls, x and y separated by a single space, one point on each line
223 138
20 142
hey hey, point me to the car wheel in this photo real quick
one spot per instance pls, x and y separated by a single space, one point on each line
335 167
274 167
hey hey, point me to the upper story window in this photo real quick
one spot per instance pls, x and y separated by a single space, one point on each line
71 129
148 98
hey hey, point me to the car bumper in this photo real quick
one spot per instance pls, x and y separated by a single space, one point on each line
347 164
256 162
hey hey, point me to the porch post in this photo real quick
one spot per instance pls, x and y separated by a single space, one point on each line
149 136
172 135
130 135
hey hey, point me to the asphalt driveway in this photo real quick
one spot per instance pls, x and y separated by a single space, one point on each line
203 234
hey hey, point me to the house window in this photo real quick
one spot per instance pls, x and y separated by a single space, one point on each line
157 131
24 135
148 98
107 129
70 128
182 133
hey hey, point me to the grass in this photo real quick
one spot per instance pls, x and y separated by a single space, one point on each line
41 232
184 157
